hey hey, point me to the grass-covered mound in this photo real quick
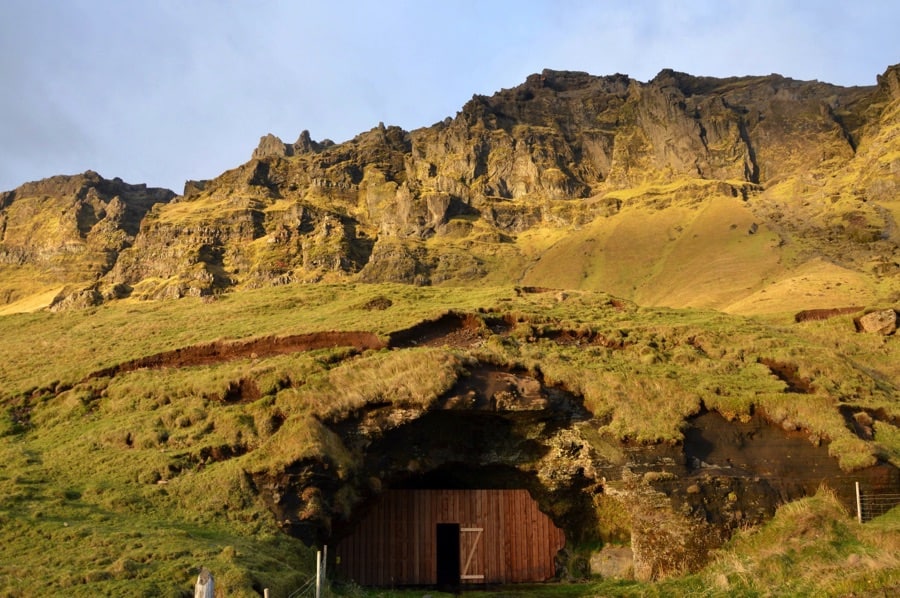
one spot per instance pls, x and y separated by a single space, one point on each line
126 481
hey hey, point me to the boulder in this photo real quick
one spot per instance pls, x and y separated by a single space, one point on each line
883 321
613 562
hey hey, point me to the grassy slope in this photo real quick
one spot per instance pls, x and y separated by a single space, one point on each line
83 511
35 295
699 256
706 257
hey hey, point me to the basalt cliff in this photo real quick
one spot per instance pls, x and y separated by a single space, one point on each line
747 194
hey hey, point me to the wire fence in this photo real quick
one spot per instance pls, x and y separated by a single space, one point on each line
870 505
306 590
316 586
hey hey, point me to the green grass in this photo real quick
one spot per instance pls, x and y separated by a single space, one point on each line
126 484
811 547
669 360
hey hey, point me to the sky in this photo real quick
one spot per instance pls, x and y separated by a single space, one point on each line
163 91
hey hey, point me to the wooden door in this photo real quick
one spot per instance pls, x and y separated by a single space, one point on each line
471 554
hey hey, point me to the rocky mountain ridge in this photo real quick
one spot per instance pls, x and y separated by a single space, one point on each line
568 180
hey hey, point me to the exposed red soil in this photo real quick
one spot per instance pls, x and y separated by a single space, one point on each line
452 329
619 305
862 420
221 351
531 290
461 330
571 337
824 314
787 373
243 391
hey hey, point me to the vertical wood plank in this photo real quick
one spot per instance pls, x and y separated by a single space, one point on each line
359 574
506 516
392 538
478 565
417 529
376 542
495 548
403 540
358 550
546 546
531 538
434 504
515 528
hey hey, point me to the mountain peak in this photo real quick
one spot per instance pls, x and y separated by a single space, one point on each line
562 151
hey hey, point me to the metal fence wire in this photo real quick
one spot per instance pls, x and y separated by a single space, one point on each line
874 505
870 505
316 586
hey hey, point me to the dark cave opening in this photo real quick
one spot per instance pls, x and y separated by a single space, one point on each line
461 476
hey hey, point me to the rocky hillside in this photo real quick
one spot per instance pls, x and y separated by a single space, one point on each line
267 411
63 234
747 194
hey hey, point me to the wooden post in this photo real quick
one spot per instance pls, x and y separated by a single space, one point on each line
324 565
858 504
318 574
205 586
266 593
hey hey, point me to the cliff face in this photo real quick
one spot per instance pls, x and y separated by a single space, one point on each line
68 231
624 182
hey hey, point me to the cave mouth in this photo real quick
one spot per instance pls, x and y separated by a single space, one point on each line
497 429
449 476
476 449
461 476
501 454
457 526
570 507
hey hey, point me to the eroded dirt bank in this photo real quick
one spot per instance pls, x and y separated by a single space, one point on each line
222 351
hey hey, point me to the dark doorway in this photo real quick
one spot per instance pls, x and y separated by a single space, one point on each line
447 555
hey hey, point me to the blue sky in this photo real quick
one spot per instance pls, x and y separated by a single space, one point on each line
162 91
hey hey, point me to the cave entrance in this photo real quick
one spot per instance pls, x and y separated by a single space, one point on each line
498 457
449 537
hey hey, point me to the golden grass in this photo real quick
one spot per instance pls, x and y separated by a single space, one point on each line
678 256
816 284
39 299
405 379
811 547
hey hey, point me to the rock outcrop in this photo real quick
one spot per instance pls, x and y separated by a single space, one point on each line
465 198
68 230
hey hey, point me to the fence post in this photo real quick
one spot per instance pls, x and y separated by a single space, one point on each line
318 574
858 504
205 586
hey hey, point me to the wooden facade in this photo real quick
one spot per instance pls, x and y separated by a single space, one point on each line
448 537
